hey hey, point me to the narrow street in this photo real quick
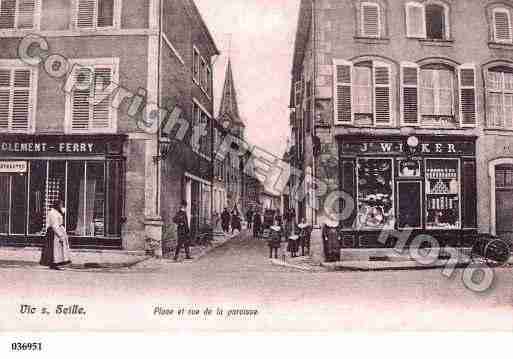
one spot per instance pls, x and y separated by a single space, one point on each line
239 275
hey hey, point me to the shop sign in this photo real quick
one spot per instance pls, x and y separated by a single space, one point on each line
58 145
399 147
13 166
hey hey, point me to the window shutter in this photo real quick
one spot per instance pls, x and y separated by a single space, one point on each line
21 106
467 87
415 20
382 94
410 94
81 110
86 13
343 92
5 84
102 109
502 25
7 14
105 13
370 20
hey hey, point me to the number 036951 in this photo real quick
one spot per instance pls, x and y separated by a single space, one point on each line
26 346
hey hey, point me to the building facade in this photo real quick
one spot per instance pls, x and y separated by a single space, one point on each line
81 124
401 107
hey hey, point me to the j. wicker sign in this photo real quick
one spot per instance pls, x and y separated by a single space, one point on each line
399 147
23 145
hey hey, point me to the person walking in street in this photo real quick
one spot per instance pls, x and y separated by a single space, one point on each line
257 224
183 232
55 252
275 240
249 218
236 225
225 220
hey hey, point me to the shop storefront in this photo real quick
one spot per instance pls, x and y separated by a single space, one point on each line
87 172
424 183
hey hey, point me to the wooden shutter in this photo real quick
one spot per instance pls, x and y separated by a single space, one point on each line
26 12
502 25
467 89
101 109
7 14
80 107
370 20
5 96
21 103
348 185
410 94
86 13
415 20
382 94
342 92
469 194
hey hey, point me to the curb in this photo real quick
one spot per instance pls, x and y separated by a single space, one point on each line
280 263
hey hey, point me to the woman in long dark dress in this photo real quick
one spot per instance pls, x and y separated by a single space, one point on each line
55 252
236 225
257 224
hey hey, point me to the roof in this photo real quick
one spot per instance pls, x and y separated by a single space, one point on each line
196 13
229 105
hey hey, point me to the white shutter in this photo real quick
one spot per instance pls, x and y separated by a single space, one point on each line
382 94
410 94
5 98
86 13
370 20
342 92
80 107
26 13
21 105
415 20
467 89
502 25
101 118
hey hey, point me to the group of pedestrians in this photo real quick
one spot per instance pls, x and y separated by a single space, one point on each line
230 221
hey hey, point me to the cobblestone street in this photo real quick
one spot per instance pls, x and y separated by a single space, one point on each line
240 275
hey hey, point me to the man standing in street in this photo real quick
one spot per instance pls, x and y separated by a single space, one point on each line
225 220
183 232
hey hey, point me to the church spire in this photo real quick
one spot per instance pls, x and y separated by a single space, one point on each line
229 106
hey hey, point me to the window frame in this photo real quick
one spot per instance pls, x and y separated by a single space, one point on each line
362 20
197 112
437 90
68 117
196 56
12 65
36 18
424 35
116 17
502 92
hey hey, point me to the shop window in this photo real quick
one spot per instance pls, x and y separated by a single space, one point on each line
13 214
19 14
5 203
37 197
89 103
363 93
375 204
16 99
427 21
443 194
95 14
499 86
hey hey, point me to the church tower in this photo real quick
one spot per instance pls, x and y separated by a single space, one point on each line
229 115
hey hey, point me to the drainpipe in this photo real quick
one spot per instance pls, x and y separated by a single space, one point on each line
159 101
313 114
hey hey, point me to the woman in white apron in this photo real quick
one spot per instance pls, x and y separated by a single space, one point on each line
55 251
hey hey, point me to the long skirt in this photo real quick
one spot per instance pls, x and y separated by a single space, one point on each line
55 251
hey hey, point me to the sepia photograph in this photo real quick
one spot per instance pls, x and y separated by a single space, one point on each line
263 166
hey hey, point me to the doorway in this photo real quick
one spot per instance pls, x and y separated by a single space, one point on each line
504 201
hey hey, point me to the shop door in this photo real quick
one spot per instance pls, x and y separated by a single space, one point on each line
504 202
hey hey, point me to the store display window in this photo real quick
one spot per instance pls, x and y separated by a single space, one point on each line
443 194
375 202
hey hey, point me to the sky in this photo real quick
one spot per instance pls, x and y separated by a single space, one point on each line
258 36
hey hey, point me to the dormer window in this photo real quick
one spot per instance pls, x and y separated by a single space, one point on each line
427 21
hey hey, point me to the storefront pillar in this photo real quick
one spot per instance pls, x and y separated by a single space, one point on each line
153 221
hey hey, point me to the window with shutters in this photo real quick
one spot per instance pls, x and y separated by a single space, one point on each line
363 94
499 89
502 25
89 107
428 20
195 65
370 20
19 14
97 14
17 99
